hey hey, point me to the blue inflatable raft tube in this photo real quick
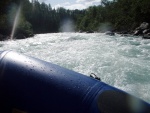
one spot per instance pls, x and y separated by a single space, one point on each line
30 85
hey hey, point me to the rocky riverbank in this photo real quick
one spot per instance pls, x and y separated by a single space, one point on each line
143 30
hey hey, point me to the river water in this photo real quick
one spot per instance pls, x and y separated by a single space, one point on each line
123 62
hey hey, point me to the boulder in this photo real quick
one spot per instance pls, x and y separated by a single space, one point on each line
142 29
30 35
110 33
80 31
144 25
90 31
146 31
20 36
138 32
146 37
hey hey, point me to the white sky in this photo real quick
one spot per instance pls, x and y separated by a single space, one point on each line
71 4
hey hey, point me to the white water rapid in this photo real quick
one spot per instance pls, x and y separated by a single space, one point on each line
123 62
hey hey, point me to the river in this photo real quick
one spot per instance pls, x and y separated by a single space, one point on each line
123 62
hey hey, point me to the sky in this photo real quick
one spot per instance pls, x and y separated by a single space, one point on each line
71 4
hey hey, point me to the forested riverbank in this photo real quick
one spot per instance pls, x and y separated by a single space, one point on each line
22 18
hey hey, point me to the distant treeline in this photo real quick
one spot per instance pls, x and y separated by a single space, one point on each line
35 17
118 15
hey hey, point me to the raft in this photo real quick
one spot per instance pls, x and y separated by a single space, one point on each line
31 85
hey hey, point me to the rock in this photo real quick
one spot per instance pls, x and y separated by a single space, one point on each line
20 36
146 36
146 31
126 35
144 25
90 31
31 35
124 32
142 29
138 32
110 33
80 31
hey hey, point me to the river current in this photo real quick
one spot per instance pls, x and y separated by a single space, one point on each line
123 62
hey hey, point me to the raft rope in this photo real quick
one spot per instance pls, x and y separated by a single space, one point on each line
95 76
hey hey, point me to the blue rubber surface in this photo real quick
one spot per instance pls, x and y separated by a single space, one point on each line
35 86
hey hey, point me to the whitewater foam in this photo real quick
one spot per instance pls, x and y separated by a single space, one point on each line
123 62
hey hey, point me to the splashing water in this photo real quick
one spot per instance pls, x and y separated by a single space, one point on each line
123 62
67 26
